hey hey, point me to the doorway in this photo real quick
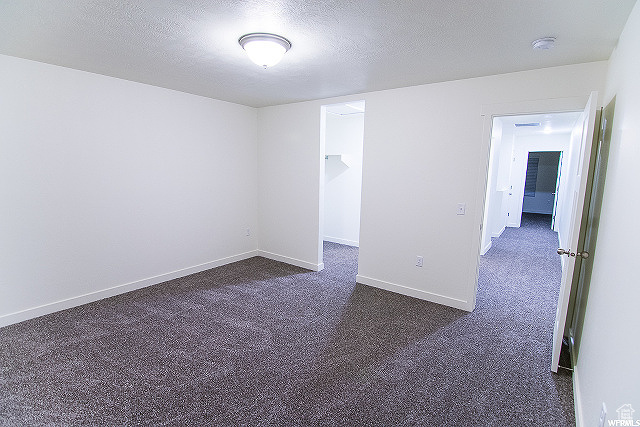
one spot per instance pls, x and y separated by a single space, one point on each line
546 140
578 156
343 137
530 193
542 183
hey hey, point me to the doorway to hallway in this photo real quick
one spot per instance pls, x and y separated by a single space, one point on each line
341 180
572 186
534 146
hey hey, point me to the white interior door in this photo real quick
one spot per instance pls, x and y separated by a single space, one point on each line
587 123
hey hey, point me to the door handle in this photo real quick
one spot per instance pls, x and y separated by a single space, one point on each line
583 254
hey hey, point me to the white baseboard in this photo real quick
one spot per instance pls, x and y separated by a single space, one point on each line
297 262
416 293
486 248
30 313
499 233
577 398
342 241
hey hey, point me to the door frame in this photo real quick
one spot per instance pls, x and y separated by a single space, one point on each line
323 154
488 112
554 226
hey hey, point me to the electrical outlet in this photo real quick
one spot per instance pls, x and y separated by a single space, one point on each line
419 261
248 232
603 415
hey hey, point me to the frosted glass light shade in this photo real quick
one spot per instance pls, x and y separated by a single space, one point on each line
264 49
544 43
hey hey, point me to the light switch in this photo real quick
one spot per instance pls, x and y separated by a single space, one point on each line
462 208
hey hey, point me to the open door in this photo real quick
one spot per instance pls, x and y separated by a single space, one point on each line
587 123
581 281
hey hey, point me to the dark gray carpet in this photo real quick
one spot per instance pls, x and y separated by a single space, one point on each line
263 343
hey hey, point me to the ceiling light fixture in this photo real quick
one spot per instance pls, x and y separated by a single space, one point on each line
545 43
265 49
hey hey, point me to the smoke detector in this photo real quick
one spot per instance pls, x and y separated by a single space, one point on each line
545 43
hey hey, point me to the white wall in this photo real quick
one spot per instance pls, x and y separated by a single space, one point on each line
607 367
343 181
494 220
289 173
423 154
108 183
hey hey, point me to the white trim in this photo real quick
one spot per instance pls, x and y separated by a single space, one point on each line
577 398
33 312
486 248
342 241
535 106
416 293
499 233
297 262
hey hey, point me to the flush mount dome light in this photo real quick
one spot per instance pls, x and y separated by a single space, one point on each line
544 43
264 49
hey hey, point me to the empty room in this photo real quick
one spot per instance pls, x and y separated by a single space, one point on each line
317 213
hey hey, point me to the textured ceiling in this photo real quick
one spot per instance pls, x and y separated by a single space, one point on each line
339 47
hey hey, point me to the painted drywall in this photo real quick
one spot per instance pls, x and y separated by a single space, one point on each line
343 177
107 185
607 368
423 155
495 215
289 168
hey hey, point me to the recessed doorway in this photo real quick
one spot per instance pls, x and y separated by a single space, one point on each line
546 140
343 137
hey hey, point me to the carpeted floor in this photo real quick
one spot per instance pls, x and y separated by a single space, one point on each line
263 343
